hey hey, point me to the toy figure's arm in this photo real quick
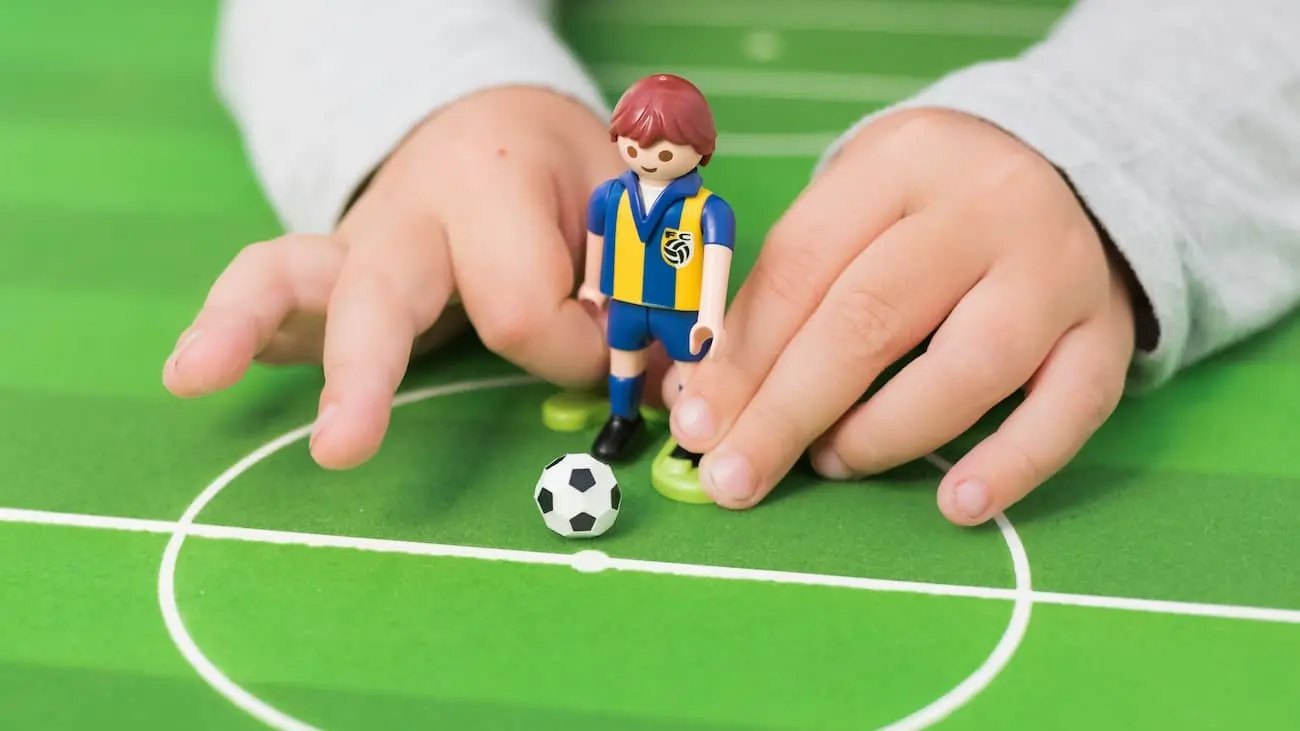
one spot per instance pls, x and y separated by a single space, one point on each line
589 289
719 230
717 276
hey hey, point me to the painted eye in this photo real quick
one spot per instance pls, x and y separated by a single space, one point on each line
665 156
631 151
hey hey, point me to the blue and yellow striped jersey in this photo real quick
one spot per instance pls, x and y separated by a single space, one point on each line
656 258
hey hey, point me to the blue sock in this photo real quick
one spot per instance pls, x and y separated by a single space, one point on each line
625 396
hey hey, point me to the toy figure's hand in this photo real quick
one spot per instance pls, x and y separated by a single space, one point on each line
493 189
702 332
592 295
928 220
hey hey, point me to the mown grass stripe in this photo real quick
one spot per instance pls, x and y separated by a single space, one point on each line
114 168
899 16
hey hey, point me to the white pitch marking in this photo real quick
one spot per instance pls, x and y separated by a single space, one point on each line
591 561
276 718
1161 606
794 577
587 561
1002 652
417 548
80 520
1023 596
189 649
902 17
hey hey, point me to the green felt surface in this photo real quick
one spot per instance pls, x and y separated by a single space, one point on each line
123 192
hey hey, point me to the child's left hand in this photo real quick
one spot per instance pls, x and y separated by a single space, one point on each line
927 220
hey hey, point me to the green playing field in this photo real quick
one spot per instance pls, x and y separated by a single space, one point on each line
176 564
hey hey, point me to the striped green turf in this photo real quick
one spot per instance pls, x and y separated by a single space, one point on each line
124 190
496 645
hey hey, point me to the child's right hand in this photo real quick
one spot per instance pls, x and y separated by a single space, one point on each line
484 202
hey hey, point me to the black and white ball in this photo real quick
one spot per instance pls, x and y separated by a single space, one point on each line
578 496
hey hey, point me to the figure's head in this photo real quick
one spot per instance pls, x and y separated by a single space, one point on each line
663 127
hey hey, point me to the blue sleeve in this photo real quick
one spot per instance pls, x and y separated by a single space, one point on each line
718 222
597 206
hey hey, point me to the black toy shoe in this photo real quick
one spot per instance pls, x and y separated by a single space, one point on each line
615 438
680 452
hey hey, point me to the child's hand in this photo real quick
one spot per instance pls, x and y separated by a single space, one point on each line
483 202
927 220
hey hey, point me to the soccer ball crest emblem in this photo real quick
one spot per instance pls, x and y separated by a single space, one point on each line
578 496
677 247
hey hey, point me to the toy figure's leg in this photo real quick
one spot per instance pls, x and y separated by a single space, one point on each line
629 341
675 470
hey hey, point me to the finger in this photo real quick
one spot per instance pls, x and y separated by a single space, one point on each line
515 274
264 284
1073 394
807 249
392 287
990 346
671 386
301 338
886 302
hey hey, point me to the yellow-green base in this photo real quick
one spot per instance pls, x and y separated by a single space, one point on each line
570 411
676 479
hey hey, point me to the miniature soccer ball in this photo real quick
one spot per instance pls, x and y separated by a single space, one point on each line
578 496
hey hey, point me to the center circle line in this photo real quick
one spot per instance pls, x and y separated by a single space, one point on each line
932 713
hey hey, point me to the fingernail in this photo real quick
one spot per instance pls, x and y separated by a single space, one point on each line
185 342
730 475
693 418
971 498
829 465
322 422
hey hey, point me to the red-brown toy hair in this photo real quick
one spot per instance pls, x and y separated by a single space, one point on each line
665 107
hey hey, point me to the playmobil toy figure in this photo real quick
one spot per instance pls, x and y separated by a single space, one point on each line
659 249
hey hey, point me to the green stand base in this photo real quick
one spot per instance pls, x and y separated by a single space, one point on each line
570 411
676 479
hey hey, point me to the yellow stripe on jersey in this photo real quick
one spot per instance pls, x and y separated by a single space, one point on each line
690 277
629 255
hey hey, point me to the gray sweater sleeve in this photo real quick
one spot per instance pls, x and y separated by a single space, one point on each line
1178 123
323 90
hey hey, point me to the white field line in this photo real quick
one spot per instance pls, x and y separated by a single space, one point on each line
584 561
720 81
900 17
1157 606
1021 609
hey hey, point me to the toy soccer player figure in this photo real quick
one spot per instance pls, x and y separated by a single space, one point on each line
659 251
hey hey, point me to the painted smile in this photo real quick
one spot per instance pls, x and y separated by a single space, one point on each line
648 170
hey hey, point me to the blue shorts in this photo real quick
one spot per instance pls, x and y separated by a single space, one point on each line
634 327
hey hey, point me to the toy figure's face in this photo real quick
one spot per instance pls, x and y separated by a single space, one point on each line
662 161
